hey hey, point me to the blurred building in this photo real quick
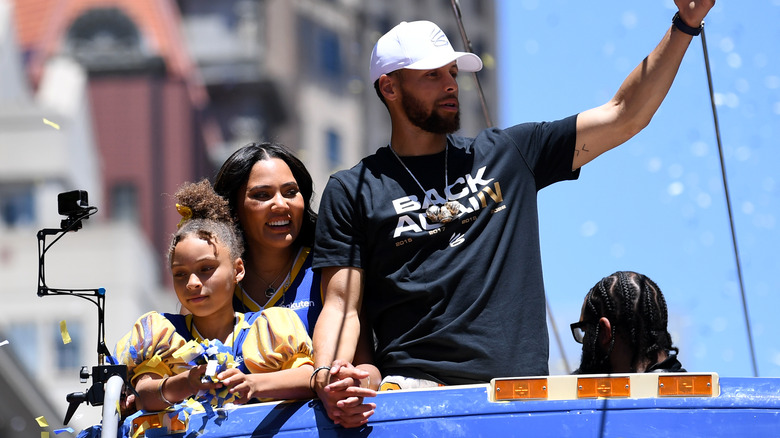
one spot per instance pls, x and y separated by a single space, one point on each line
145 98
127 99
297 71
48 146
175 87
23 399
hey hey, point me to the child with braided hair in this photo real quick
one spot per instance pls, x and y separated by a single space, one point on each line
263 355
623 328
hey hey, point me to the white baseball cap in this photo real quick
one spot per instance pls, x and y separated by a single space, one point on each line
417 45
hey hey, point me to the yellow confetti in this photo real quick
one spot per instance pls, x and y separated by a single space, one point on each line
42 421
185 349
141 429
64 332
44 434
196 406
118 408
154 361
50 123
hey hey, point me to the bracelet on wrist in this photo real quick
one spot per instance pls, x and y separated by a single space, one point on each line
314 375
678 22
160 391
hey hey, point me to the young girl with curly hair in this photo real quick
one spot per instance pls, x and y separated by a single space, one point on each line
263 355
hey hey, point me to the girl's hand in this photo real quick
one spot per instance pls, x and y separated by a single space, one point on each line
127 403
195 380
239 384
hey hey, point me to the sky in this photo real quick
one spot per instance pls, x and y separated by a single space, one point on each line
657 204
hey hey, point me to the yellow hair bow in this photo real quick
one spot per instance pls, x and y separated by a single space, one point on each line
185 212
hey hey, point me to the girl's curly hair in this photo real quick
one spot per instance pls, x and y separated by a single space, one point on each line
207 216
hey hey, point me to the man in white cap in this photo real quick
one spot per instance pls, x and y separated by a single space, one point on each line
435 236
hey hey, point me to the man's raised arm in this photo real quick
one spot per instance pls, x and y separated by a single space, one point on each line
630 110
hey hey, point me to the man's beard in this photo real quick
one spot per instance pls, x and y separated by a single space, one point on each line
431 122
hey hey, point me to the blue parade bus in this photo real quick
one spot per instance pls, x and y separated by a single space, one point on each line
618 405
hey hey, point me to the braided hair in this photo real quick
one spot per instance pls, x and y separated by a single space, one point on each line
207 216
636 309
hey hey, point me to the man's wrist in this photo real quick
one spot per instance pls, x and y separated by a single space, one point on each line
313 380
683 27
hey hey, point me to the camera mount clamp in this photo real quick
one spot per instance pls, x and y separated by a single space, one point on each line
102 372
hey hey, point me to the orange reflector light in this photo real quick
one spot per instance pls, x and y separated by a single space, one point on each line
685 386
157 420
592 387
521 389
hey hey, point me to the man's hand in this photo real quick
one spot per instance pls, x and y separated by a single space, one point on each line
693 12
343 393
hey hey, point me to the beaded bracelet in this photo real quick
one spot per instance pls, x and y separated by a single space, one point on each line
313 375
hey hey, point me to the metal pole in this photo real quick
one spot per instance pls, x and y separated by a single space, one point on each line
728 205
467 44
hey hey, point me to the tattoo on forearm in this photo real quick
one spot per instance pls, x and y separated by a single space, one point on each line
584 149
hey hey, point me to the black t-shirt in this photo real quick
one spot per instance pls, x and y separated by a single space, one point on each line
462 302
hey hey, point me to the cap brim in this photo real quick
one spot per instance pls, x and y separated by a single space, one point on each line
467 62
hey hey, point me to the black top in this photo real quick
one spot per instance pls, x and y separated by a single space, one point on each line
670 365
462 302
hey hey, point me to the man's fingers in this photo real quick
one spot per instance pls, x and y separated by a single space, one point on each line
357 391
355 419
340 385
349 402
354 403
352 386
355 373
350 407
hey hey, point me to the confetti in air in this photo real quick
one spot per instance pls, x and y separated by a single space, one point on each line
50 123
42 421
64 332
3 342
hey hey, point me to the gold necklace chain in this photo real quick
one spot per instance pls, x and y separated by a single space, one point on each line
270 290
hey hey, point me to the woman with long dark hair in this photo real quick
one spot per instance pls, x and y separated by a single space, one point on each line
270 192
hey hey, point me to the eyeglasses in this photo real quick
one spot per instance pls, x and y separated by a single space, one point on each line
578 331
